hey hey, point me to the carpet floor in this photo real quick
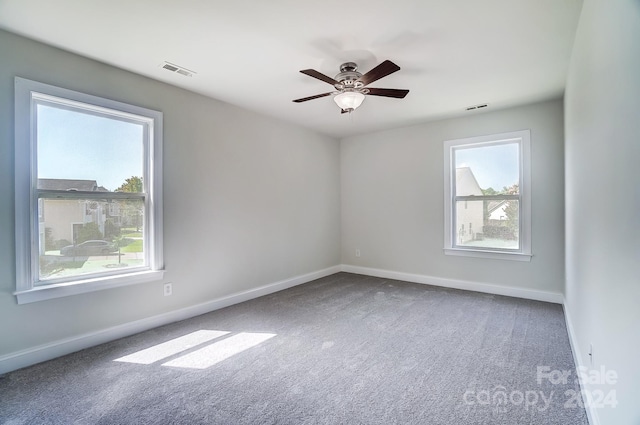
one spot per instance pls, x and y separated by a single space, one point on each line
345 349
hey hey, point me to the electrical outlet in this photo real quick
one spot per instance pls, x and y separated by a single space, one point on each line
357 252
168 289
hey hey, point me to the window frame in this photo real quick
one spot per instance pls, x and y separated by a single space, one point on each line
523 138
28 94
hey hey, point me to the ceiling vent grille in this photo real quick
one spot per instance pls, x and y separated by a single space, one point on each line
471 108
177 69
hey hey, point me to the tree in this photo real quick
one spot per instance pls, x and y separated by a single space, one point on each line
132 184
111 229
489 191
120 242
88 232
131 209
511 190
512 210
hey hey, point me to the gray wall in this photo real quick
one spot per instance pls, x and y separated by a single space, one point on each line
248 200
392 199
602 107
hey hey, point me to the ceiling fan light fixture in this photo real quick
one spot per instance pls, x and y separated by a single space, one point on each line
351 86
349 100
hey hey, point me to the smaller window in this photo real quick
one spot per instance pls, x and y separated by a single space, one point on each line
487 186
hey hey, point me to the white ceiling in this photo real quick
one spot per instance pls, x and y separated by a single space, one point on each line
453 53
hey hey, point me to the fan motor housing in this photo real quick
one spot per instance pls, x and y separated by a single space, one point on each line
348 76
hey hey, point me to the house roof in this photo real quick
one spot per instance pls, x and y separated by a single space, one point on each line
494 205
70 185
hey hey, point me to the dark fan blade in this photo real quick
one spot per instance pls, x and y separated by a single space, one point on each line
343 111
400 94
304 99
382 70
320 76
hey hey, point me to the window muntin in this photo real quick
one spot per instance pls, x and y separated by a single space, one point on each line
487 196
88 192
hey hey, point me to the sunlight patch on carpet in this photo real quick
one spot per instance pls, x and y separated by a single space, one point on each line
219 351
172 347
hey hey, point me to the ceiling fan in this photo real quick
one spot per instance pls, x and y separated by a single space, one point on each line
351 85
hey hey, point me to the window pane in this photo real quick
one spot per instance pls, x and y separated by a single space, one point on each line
81 151
488 224
83 236
487 170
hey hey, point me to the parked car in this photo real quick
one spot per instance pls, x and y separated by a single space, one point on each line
89 248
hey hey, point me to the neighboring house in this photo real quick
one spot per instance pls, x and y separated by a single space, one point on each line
66 216
496 210
470 214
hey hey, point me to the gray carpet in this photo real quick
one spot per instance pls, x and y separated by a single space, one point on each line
347 349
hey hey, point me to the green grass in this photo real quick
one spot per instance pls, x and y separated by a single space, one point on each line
135 246
94 265
132 235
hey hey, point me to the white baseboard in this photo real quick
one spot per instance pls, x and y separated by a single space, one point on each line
55 349
530 294
28 357
592 413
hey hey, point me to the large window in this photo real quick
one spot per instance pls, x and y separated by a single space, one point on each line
88 192
487 196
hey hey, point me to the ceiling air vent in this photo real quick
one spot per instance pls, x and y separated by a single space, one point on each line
177 69
471 108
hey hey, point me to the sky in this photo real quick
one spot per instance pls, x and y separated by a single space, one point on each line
495 166
76 145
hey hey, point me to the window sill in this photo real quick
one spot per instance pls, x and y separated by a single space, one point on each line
496 255
47 292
